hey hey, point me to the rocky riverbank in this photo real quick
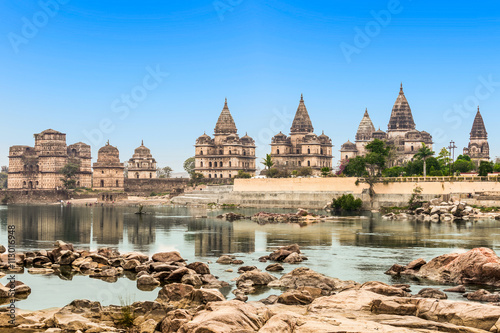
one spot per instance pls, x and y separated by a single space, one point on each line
304 300
302 217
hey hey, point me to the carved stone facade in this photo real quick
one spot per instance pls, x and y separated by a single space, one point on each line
108 171
142 165
38 167
302 148
401 134
227 153
478 149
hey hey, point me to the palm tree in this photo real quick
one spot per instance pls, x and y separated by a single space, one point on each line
268 162
424 152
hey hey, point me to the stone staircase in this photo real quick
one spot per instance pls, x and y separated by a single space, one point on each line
210 194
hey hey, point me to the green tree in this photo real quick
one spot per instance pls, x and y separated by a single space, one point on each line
346 202
165 172
69 172
4 175
355 167
325 171
189 166
395 171
423 153
485 167
304 172
496 167
376 159
443 158
463 165
243 174
268 162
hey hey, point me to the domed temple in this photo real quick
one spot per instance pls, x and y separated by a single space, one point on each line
302 148
478 149
401 134
142 164
108 170
226 153
38 167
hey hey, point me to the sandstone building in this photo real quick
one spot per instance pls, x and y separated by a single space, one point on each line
226 153
108 171
302 148
142 164
401 133
478 149
38 167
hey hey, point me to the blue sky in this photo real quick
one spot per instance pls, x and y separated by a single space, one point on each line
84 68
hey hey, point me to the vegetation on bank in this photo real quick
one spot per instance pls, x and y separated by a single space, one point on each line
346 202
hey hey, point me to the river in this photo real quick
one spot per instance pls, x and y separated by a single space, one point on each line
350 248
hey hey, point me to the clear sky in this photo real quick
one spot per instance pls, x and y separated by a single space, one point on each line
159 71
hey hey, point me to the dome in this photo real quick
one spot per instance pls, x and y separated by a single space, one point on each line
142 151
348 146
310 137
247 139
203 139
108 154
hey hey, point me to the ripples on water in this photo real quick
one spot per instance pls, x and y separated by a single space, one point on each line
359 249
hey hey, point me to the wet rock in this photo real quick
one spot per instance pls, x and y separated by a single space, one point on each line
274 267
395 270
295 297
457 289
240 295
40 261
199 267
174 292
107 272
99 259
44 271
108 253
171 257
147 280
306 277
225 260
20 289
130 265
162 267
383 289
136 256
283 252
177 275
482 296
257 278
244 269
271 299
203 296
237 262
431 293
2 249
416 264
293 258
190 277
210 281
174 320
67 257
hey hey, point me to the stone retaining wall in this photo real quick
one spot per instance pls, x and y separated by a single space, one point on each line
145 187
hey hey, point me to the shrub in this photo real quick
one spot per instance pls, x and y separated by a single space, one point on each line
305 171
347 202
243 174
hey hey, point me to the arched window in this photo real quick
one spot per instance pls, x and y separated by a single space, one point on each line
102 183
77 183
117 183
298 151
150 175
308 150
209 176
24 184
229 152
201 152
300 163
321 151
277 151
221 152
221 175
244 152
308 163
215 164
201 164
346 157
210 164
215 175
411 148
220 164
137 175
229 175
229 163
102 171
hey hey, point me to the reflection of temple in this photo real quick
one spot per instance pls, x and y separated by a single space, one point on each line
141 230
219 237
107 225
50 223
286 234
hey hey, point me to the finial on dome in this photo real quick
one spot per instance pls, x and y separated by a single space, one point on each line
401 88
301 97
142 142
225 101
478 108
107 143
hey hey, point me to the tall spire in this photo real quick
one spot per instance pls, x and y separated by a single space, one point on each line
142 142
365 128
301 123
401 117
225 123
478 129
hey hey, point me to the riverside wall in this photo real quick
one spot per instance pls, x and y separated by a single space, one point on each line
316 192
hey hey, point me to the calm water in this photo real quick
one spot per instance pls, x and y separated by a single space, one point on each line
359 249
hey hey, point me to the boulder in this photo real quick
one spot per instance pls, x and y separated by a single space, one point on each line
171 257
271 299
244 269
257 278
137 256
147 280
457 289
44 271
482 296
174 320
67 257
39 261
295 297
416 264
274 267
131 264
99 259
293 258
431 293
190 277
174 292
304 276
2 249
203 296
225 260
108 253
199 267
383 289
